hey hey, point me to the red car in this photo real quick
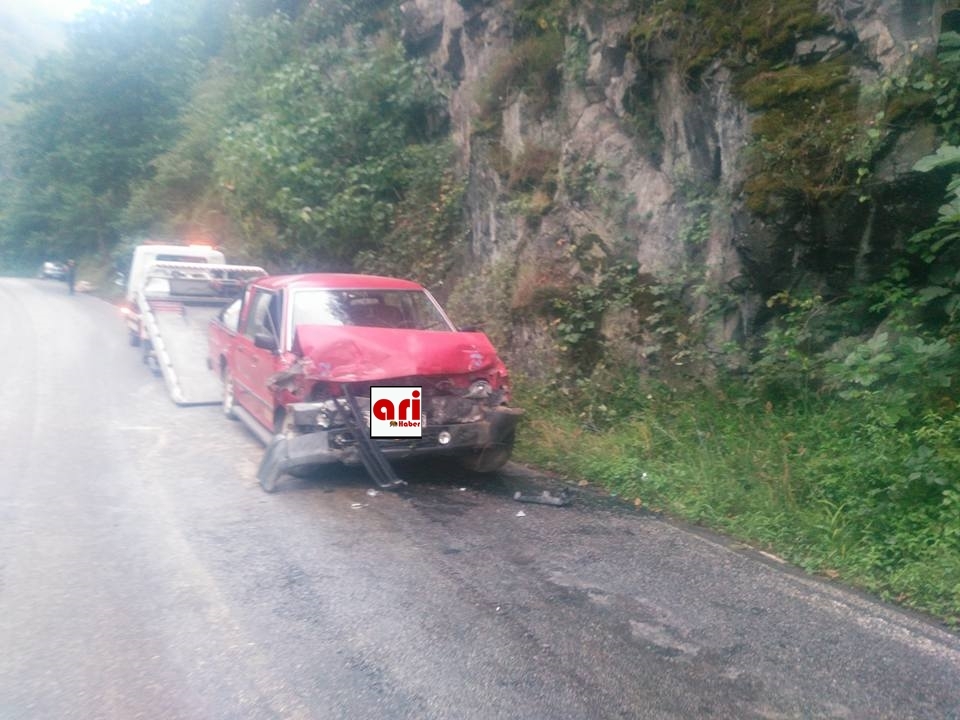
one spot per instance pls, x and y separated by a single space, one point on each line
303 359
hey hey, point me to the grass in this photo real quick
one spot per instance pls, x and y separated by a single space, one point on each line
818 486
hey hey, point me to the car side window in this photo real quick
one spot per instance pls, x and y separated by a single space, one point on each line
230 316
264 315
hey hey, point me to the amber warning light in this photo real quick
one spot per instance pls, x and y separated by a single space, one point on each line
395 412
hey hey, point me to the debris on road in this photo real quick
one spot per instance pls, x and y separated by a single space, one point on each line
544 498
373 493
357 506
521 513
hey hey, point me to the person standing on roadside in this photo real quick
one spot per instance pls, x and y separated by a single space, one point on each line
71 274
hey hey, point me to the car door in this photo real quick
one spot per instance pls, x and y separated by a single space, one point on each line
254 361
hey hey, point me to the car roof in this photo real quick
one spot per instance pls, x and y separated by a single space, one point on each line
343 281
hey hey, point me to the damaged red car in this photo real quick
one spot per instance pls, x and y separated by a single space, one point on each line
300 356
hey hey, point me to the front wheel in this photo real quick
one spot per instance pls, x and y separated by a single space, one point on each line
489 459
229 395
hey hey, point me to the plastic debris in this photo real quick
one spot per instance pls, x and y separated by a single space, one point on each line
544 498
373 493
463 489
521 513
357 506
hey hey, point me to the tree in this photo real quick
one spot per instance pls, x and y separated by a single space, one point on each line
328 145
94 118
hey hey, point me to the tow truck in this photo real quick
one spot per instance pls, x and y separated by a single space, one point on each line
173 292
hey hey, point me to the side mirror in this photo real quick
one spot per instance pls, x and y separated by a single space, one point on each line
265 341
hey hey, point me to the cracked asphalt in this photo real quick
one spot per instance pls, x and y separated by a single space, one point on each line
144 574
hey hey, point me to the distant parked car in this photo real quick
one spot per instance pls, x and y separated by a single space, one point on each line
53 271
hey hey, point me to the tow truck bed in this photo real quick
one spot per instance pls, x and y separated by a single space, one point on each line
176 304
183 336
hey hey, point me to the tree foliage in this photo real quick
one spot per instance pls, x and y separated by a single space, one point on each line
94 118
330 143
260 124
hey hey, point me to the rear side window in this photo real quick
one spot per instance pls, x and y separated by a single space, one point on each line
230 317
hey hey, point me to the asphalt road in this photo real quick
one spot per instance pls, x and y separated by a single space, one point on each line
143 574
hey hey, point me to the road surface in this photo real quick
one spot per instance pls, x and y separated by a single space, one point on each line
143 574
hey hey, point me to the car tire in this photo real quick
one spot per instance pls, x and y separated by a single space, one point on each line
229 395
488 460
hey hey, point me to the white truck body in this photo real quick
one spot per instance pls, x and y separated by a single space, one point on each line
145 256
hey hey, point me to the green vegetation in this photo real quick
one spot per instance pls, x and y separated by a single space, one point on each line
261 130
339 161
804 136
743 33
25 34
809 115
94 118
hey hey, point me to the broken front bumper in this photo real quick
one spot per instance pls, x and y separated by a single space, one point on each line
295 451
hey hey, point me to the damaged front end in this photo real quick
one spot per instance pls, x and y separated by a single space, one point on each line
462 417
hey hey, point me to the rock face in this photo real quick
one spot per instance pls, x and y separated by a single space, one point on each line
616 157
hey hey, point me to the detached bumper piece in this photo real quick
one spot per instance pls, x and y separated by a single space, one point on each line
544 498
284 454
287 454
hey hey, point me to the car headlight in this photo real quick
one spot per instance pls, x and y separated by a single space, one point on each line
479 390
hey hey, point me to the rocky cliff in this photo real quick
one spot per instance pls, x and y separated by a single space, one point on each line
635 170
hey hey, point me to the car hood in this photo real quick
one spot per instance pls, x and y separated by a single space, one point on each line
356 354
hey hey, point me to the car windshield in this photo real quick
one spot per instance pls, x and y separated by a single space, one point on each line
411 309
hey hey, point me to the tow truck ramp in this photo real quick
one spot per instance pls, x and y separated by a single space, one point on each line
177 301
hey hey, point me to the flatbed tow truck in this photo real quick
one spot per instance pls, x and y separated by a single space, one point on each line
170 304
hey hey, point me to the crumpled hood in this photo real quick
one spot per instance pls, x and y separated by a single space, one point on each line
356 354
